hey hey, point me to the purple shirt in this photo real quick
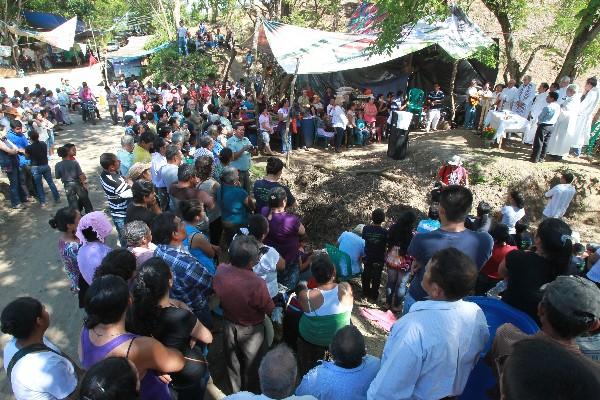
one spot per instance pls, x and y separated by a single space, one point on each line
89 258
283 234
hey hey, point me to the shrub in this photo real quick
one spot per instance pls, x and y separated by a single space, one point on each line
167 65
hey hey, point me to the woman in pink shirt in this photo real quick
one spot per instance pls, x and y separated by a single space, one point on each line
370 112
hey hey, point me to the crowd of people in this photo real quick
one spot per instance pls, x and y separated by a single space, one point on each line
211 261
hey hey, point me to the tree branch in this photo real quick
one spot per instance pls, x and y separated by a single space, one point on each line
533 53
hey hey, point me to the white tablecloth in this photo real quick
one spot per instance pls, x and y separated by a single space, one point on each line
403 121
505 121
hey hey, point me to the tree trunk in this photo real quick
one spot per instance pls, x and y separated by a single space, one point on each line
232 55
176 12
286 132
452 88
581 40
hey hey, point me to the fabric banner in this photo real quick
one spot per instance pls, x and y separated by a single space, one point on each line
321 51
5 51
62 36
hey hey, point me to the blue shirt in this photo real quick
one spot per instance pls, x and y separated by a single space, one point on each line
549 114
21 142
232 205
436 96
428 225
244 161
477 245
198 254
191 280
331 382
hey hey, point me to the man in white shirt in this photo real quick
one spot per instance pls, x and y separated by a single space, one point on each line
277 374
560 197
539 102
546 121
471 105
266 130
562 90
182 34
431 350
524 97
508 94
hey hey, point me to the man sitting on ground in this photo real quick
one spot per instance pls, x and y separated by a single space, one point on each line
346 378
431 351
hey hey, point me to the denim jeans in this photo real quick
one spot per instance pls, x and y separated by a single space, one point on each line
78 197
43 171
408 302
182 45
120 225
339 137
114 113
17 194
470 114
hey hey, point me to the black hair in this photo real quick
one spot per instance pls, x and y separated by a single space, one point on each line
105 301
107 160
15 123
567 176
274 166
541 369
348 347
521 227
378 216
119 262
226 155
243 251
545 85
63 217
90 234
578 248
401 232
163 227
500 233
34 136
204 167
158 143
517 198
483 208
592 81
147 137
277 196
434 211
454 272
69 146
553 95
258 226
140 189
457 202
185 172
190 209
322 268
62 152
164 131
110 379
556 243
149 286
20 315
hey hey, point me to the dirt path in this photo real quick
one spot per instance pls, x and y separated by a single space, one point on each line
330 202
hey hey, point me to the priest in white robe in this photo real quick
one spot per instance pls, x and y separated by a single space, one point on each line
539 102
564 137
524 97
589 105
508 94
562 88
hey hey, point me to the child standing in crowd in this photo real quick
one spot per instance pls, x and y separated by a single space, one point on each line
73 179
66 221
38 154
397 260
376 238
117 191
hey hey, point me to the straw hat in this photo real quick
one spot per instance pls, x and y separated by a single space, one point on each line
137 169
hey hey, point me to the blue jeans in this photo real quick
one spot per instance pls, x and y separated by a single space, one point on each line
17 194
43 171
339 137
408 302
182 45
120 225
470 114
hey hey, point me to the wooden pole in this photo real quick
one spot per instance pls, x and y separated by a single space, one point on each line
452 88
286 132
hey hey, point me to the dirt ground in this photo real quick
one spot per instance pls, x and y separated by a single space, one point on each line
334 192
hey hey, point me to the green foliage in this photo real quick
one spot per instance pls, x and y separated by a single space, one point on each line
168 65
487 56
316 15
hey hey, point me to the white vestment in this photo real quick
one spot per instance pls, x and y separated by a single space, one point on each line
562 95
523 99
535 110
587 109
509 95
563 137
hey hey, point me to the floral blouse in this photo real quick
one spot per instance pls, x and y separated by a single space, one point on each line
68 253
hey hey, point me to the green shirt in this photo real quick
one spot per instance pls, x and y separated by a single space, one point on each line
141 155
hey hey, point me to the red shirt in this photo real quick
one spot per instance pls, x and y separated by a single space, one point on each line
244 296
490 268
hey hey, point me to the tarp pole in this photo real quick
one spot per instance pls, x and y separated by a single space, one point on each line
452 88
286 132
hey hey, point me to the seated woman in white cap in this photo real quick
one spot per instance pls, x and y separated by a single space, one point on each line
453 173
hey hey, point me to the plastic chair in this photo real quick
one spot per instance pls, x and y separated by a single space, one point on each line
595 135
342 262
416 99
496 313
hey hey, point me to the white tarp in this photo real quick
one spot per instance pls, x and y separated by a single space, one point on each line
321 51
63 36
